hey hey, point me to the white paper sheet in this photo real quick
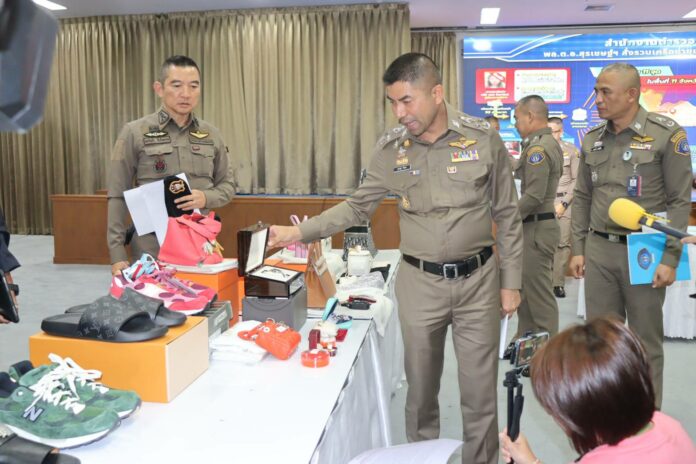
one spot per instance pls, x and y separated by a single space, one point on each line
423 452
503 336
147 209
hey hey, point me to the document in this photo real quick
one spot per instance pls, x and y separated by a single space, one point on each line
645 253
147 209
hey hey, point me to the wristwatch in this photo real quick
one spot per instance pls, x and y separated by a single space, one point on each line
565 204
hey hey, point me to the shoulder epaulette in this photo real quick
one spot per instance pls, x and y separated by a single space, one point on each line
391 135
598 126
664 121
474 123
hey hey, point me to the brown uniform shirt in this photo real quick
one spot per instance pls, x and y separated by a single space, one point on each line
653 147
450 193
154 147
566 184
539 171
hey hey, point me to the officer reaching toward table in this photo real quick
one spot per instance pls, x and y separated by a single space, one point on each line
564 200
453 178
645 157
168 142
539 170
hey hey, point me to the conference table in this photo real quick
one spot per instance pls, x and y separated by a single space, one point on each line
678 310
275 411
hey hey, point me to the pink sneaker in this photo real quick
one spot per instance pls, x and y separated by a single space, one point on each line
147 265
175 299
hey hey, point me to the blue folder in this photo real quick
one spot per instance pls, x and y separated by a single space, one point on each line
645 253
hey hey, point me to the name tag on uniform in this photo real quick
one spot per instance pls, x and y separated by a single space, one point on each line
402 168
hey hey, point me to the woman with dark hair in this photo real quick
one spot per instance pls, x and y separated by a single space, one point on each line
594 380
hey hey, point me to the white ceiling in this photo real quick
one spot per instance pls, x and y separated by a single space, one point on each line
427 13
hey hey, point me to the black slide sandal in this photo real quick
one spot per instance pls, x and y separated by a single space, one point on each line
137 302
17 450
112 323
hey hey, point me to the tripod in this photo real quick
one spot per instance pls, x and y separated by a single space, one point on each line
515 402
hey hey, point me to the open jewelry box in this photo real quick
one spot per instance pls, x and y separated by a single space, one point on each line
261 280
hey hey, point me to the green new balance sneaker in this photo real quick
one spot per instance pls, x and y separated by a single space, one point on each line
82 383
51 415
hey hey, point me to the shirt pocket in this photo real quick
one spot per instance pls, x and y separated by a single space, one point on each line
598 166
155 161
467 185
643 163
203 160
407 187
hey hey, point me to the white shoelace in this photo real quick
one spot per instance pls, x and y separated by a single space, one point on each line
50 390
69 371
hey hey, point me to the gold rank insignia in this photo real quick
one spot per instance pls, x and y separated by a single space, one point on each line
405 203
462 143
640 139
199 135
155 134
451 169
407 143
401 161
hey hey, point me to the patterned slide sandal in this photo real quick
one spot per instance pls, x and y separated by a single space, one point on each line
159 314
107 322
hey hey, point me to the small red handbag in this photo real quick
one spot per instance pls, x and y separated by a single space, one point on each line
191 240
275 337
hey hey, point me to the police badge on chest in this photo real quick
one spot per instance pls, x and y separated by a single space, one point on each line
160 164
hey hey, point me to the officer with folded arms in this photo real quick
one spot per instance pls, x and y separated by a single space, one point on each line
453 178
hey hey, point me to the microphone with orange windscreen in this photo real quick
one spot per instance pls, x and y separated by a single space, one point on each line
631 215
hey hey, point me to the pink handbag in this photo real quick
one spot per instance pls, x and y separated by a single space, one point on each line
299 248
191 240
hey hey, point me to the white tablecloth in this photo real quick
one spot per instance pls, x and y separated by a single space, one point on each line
276 411
678 310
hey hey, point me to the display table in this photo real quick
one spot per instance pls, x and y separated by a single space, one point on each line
678 310
276 411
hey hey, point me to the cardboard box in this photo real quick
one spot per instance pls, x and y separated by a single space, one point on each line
227 285
158 370
219 316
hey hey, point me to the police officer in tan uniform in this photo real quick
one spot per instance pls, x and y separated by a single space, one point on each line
564 199
644 157
539 170
453 178
168 142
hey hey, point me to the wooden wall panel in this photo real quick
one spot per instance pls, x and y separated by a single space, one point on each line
79 223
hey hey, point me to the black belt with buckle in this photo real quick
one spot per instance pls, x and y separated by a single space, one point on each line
539 217
452 270
616 238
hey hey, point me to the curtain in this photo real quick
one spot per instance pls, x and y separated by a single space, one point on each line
442 47
296 93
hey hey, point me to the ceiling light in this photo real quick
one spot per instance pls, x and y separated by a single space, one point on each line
489 15
50 5
690 15
597 7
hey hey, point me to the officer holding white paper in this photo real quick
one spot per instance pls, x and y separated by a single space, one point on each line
645 157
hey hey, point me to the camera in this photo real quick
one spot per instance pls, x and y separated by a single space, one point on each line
524 350
521 356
